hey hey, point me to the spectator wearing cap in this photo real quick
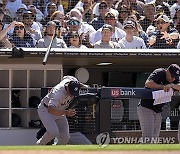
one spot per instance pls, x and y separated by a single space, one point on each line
31 26
50 33
164 37
106 42
20 11
149 14
130 41
138 29
174 7
85 30
21 38
74 40
110 7
4 40
117 35
12 6
84 27
72 24
98 22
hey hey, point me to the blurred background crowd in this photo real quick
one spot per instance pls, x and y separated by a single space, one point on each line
126 24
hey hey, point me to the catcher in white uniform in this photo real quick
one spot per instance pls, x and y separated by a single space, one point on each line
52 110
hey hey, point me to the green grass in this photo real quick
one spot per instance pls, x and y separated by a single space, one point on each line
120 147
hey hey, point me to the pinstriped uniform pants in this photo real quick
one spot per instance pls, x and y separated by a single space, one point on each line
150 122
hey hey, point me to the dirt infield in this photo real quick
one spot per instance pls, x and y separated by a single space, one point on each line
82 152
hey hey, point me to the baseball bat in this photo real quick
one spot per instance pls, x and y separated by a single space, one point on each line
48 50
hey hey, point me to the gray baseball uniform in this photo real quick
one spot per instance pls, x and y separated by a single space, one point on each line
56 126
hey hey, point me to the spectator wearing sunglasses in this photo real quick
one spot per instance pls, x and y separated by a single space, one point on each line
130 41
31 26
74 40
21 38
83 27
165 36
20 11
72 24
49 34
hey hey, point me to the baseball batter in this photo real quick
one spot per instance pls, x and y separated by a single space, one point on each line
149 114
52 110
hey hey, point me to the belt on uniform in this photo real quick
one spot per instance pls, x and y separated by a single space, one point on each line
45 105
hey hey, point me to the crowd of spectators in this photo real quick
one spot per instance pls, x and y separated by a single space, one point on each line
126 24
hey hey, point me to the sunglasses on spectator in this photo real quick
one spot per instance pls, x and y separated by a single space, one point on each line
161 22
128 27
74 36
19 28
73 22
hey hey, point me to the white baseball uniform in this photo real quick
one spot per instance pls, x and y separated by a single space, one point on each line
56 126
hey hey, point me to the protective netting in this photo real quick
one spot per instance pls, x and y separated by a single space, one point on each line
90 23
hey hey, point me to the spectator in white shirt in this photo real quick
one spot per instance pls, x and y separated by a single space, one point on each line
130 41
106 42
117 35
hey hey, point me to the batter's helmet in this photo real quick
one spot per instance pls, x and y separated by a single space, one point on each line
74 87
